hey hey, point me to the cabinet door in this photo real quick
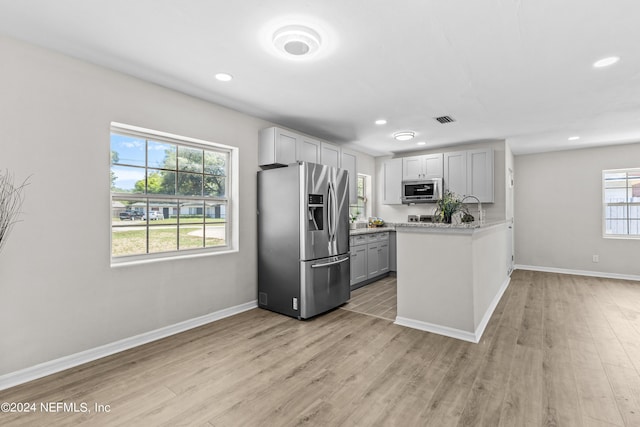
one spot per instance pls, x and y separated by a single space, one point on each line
480 174
308 150
373 268
455 172
391 180
349 162
412 167
433 165
383 258
276 147
330 155
358 264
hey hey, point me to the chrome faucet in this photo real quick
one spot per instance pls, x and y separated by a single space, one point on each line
480 219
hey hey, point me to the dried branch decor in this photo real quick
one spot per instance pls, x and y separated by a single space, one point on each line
11 198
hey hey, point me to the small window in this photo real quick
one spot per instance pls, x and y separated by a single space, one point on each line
621 200
169 195
359 210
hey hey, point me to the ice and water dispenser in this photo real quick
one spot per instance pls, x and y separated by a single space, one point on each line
315 212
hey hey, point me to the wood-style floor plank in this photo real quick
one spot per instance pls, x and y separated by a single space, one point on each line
559 350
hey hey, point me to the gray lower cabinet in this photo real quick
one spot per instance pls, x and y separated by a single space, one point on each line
369 257
373 261
358 264
383 257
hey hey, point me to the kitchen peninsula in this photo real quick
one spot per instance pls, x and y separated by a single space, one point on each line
451 277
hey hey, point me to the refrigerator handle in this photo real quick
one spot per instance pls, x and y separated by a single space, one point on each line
327 264
330 218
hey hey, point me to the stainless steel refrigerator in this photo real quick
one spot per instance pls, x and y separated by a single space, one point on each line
303 239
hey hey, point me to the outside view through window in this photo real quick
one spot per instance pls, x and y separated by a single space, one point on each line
166 196
622 202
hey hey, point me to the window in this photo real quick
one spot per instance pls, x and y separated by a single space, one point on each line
359 210
168 194
621 199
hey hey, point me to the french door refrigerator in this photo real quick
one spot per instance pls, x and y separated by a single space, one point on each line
303 239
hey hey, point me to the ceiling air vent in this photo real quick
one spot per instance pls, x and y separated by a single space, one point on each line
444 119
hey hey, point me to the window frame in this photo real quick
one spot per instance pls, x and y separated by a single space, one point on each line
627 204
365 199
230 199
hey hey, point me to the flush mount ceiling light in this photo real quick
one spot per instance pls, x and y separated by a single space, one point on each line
573 138
381 122
224 77
297 40
421 143
605 62
404 135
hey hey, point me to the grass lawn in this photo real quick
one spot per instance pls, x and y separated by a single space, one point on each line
127 241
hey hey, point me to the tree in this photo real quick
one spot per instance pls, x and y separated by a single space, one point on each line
115 158
155 182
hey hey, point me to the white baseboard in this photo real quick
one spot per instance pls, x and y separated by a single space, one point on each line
51 367
437 329
460 334
578 272
494 303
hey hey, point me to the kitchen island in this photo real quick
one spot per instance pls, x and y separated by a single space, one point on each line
451 277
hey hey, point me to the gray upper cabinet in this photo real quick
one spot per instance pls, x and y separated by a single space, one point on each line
455 172
330 154
350 163
480 174
308 150
391 179
422 167
276 147
470 173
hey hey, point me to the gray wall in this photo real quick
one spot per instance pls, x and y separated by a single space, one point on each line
58 293
558 211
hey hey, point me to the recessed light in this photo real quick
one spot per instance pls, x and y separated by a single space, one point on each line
421 143
574 138
404 135
605 62
224 77
296 40
381 122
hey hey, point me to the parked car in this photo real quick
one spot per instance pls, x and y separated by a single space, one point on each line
153 215
131 215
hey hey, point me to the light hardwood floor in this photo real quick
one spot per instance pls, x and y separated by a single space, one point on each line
559 350
376 299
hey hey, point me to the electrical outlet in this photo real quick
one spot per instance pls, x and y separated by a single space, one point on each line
596 258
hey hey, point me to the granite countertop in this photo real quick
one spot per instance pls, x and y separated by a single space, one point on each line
425 226
441 227
357 231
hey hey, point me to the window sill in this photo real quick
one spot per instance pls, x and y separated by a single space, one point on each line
168 257
621 237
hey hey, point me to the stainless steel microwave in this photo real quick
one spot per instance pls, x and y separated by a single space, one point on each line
421 191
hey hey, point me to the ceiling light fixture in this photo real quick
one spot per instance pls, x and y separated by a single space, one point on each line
296 40
605 62
381 122
573 138
404 135
421 143
224 77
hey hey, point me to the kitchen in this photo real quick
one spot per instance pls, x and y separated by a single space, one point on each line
439 302
180 339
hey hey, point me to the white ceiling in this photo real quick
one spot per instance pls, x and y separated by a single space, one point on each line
504 69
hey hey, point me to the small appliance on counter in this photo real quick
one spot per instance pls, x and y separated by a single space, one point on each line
303 239
420 218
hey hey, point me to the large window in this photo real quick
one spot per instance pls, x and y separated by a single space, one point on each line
168 195
621 193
